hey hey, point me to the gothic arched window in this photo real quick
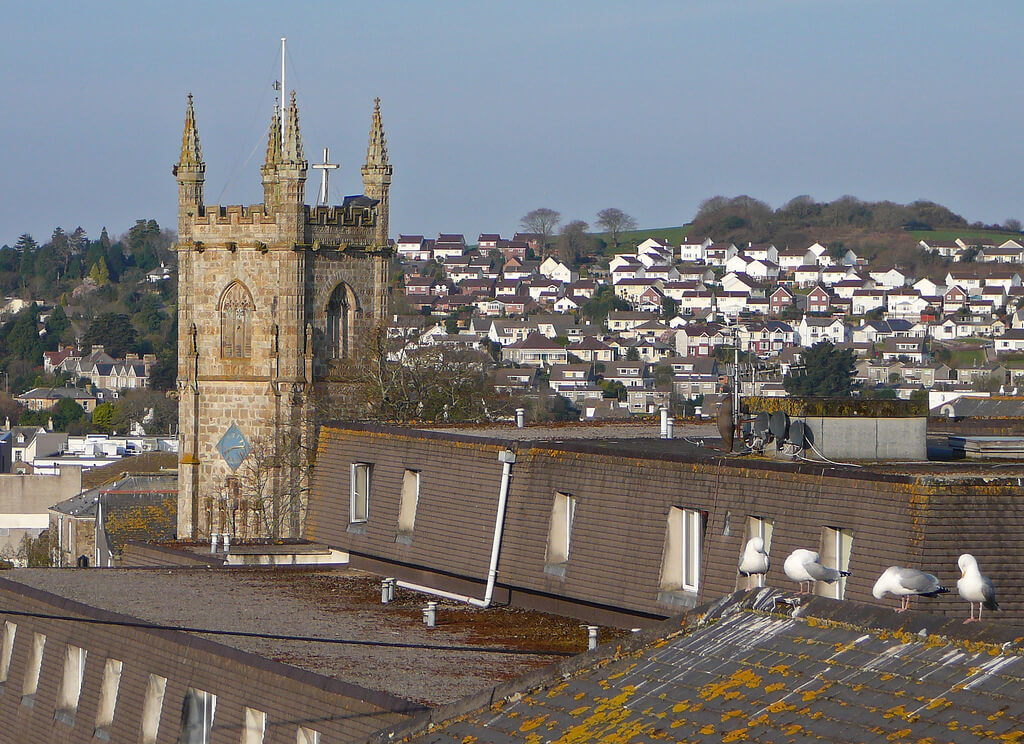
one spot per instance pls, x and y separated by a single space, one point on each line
341 315
236 312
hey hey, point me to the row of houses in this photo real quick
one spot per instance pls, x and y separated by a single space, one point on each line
99 368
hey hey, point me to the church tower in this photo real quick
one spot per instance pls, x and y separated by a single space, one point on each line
269 297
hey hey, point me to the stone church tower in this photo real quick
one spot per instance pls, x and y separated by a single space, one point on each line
268 296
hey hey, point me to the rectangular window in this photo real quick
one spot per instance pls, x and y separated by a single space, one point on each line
836 545
563 511
70 684
255 726
680 566
307 736
756 527
409 500
7 652
35 664
152 706
197 712
108 698
359 503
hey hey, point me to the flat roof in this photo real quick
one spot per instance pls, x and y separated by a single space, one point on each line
335 603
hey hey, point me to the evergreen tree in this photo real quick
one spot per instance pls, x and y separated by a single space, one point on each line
828 372
114 331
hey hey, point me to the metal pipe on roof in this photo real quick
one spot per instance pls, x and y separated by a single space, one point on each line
507 459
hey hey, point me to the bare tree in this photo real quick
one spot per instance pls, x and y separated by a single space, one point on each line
267 495
614 221
573 242
400 379
542 221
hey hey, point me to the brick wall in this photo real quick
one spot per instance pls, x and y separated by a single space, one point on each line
622 504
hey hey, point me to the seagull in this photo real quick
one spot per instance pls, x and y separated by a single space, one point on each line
975 586
905 583
803 566
754 559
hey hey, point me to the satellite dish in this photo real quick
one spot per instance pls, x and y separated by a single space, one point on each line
778 425
761 425
796 434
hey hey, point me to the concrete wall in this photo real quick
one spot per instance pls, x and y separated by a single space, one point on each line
25 501
874 439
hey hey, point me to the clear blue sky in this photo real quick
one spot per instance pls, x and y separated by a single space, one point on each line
492 109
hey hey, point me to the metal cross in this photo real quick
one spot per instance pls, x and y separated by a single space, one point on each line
325 168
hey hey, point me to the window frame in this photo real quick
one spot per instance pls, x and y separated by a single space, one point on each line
835 551
559 542
33 668
110 687
356 497
69 692
408 504
681 557
7 651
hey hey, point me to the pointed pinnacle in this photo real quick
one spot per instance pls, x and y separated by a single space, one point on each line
292 145
191 153
377 150
273 142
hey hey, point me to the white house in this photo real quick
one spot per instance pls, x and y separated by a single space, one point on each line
692 251
812 330
552 268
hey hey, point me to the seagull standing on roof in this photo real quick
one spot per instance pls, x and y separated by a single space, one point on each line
906 583
804 566
754 561
974 586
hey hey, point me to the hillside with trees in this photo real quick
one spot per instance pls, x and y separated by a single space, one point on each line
78 290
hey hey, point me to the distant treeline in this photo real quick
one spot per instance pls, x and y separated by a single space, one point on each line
743 218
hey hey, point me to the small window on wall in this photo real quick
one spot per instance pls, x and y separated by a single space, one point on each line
755 527
32 669
197 709
359 503
108 699
563 511
680 564
407 506
836 545
70 685
7 652
152 706
307 736
255 726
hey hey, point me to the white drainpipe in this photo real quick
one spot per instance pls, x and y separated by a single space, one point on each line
507 458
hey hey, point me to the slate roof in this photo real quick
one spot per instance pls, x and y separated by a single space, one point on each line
753 668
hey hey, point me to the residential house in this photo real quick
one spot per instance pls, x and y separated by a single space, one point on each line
717 254
904 349
510 380
1012 341
905 302
621 320
630 374
806 275
780 300
819 300
892 278
693 251
591 349
536 350
813 330
413 248
552 268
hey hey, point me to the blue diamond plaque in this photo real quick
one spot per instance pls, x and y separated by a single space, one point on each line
234 447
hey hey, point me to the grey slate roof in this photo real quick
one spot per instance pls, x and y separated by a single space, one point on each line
751 668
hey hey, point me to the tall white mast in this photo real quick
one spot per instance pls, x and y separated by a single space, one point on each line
284 90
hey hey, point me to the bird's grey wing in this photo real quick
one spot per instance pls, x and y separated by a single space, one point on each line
822 573
918 582
988 591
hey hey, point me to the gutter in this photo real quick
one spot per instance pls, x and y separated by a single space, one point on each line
507 458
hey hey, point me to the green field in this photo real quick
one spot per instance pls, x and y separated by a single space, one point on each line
945 236
627 240
967 358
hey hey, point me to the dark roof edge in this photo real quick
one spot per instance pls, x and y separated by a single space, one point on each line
387 702
582 447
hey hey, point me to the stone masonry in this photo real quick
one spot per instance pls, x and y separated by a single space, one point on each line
269 295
